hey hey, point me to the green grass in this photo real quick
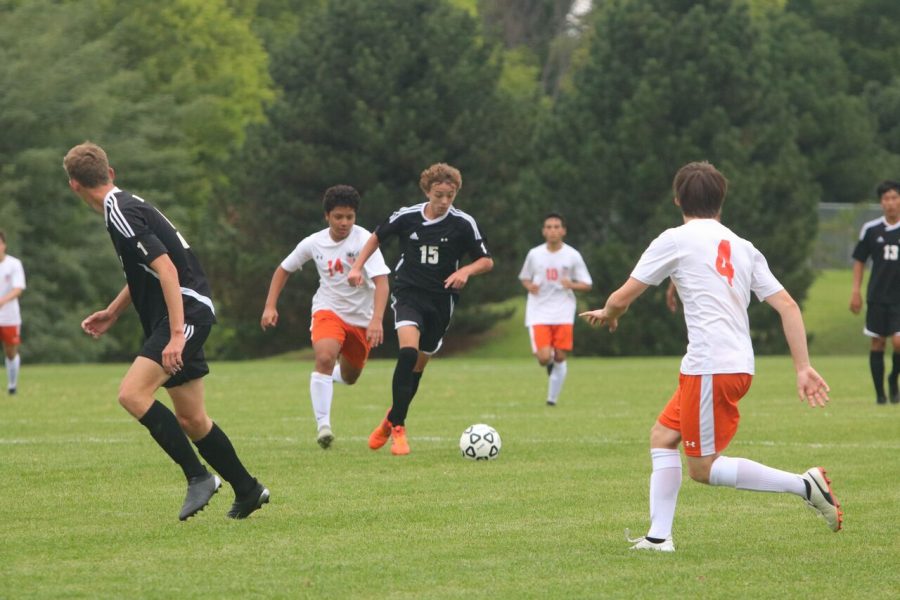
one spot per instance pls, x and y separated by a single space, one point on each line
90 504
833 328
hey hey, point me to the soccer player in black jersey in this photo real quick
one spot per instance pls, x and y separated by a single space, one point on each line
880 240
433 237
167 286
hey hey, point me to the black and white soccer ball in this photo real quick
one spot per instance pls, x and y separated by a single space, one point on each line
480 442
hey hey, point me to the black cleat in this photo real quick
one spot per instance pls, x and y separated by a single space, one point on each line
880 400
551 403
245 505
12 391
200 490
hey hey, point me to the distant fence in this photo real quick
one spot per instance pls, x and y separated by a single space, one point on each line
839 226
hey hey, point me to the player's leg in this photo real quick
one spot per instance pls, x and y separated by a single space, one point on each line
712 425
894 329
561 341
321 388
10 338
877 328
541 345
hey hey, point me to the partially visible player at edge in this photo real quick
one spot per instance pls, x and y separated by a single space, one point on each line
552 273
12 284
715 272
879 240
346 320
433 238
166 284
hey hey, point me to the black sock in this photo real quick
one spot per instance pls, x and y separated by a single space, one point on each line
216 448
895 371
164 427
876 365
414 384
402 385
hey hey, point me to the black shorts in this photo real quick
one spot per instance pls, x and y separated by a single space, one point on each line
882 320
428 311
195 365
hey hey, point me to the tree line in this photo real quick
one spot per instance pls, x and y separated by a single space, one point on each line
233 116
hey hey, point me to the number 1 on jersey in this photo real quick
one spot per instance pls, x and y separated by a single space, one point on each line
723 261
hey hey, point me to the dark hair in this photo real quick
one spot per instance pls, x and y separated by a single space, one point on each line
700 189
340 195
886 186
87 164
554 215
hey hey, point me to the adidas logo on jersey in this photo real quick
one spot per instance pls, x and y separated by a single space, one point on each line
414 236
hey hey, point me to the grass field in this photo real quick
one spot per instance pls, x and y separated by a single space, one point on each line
90 504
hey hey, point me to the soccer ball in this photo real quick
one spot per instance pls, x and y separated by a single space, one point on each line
480 442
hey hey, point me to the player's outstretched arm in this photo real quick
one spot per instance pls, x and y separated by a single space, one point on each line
270 311
811 387
459 278
100 322
859 269
355 276
616 305
375 330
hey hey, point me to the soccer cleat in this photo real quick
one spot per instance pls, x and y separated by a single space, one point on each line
200 490
325 437
551 403
246 504
880 400
12 391
399 445
379 437
821 499
642 543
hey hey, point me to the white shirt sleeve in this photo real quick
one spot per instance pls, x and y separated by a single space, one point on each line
581 273
658 261
527 272
18 276
376 266
763 283
302 253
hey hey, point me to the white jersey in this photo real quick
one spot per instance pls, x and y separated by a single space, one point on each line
714 271
553 304
12 276
355 305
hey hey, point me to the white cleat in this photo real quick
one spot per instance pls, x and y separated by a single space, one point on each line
325 437
821 499
642 543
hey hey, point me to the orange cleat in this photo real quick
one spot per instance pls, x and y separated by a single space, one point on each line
379 437
399 445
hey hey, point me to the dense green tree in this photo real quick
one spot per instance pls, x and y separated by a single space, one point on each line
667 82
372 93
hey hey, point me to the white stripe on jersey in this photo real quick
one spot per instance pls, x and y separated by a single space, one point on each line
187 291
707 417
114 215
458 213
188 331
405 211
868 225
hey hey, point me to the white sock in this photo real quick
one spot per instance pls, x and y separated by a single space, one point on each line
665 481
321 391
12 371
336 374
557 378
745 474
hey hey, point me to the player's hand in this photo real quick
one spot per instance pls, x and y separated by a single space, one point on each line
375 333
599 317
355 277
855 303
566 283
98 323
269 318
811 387
533 287
457 280
672 298
171 354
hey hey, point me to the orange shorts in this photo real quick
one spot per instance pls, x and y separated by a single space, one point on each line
9 334
704 409
354 347
554 336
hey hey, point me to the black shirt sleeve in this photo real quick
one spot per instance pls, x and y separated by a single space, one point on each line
144 242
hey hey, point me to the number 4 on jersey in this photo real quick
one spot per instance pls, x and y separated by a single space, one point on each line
723 261
335 267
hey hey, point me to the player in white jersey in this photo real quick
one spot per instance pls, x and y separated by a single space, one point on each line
346 320
552 273
715 272
12 284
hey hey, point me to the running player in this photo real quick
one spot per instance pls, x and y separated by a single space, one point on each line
715 272
346 320
552 273
880 241
12 284
433 237
167 286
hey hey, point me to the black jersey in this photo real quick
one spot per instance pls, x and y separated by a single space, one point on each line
141 234
881 242
430 250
